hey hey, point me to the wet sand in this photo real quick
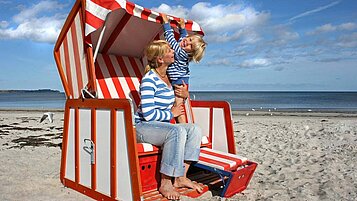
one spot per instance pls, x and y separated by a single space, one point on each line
300 156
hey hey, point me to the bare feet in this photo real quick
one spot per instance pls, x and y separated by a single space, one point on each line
167 190
181 182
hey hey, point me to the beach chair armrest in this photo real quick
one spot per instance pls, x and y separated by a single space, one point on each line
215 120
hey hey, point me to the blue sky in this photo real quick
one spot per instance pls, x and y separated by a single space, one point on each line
285 45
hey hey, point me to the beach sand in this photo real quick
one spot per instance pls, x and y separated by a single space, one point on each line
300 156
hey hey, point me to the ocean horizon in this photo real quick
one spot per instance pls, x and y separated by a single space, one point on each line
334 101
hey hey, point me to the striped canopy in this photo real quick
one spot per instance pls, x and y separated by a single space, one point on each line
128 27
106 27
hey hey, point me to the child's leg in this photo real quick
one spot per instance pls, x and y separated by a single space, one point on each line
182 118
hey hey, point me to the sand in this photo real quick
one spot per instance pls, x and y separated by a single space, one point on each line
300 156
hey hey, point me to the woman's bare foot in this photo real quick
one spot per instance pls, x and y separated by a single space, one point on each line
181 182
167 189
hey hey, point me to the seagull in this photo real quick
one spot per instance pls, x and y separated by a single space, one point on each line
47 115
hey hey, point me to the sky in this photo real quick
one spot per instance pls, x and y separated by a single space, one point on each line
265 45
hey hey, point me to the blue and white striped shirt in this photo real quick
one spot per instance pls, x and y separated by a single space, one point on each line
156 99
178 70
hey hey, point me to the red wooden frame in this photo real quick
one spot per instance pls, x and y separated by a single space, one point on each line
113 105
228 119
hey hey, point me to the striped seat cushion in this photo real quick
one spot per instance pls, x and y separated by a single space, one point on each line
220 160
205 141
147 148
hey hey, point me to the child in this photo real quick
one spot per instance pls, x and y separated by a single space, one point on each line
187 48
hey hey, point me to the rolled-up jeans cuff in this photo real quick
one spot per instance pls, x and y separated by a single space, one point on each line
192 155
171 171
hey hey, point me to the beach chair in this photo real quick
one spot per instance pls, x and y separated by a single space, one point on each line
100 58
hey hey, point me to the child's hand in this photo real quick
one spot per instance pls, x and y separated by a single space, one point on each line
181 90
164 18
177 110
182 23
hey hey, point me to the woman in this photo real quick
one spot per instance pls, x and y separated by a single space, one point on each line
180 143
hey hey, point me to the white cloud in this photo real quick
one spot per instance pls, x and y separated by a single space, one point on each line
178 11
4 2
349 26
254 63
348 41
36 23
324 28
222 23
284 35
219 62
4 24
316 10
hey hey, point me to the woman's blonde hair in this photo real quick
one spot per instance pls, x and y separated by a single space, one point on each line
157 48
198 48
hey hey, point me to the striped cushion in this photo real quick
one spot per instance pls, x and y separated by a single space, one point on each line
146 147
220 160
205 141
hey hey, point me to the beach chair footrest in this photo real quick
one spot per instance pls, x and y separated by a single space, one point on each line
230 180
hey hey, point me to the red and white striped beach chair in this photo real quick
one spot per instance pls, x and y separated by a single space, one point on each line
99 54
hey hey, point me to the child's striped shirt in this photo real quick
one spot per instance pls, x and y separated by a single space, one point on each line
178 70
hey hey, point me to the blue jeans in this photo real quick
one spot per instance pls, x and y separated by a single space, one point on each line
179 143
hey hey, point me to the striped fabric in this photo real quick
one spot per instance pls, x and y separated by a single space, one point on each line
180 68
156 99
146 147
220 160
97 11
73 59
205 141
118 77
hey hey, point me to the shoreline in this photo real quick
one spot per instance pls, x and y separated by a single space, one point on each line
258 112
296 113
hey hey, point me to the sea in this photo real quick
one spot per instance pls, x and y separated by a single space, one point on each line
247 100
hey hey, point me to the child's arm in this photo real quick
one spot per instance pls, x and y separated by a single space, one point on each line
182 29
169 35
165 20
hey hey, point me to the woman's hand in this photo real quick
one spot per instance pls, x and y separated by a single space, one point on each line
177 110
164 18
181 90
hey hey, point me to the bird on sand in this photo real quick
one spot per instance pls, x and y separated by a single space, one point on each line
47 115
